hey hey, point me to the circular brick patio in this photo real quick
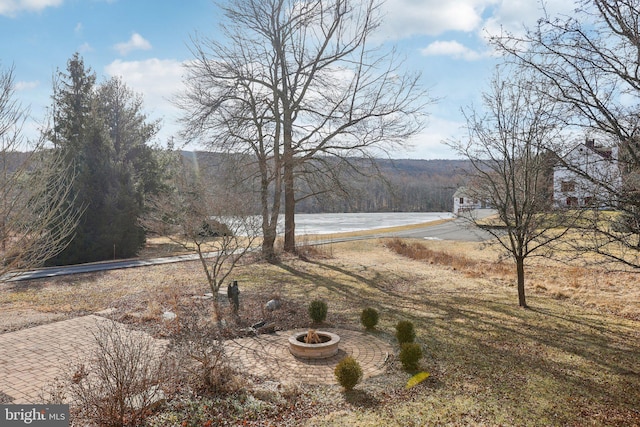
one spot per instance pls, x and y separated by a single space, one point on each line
268 356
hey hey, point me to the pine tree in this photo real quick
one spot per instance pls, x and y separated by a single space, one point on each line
103 134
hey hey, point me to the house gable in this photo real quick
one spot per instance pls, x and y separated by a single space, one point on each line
586 176
463 201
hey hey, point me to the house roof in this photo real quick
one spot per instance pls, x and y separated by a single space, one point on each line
462 192
604 152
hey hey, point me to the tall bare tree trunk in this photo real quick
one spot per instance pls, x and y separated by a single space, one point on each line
289 211
289 189
269 217
522 302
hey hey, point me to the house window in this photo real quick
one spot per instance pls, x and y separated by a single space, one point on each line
461 200
572 201
566 186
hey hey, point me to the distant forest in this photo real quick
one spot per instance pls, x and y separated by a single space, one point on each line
388 186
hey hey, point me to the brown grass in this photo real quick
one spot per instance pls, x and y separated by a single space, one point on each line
615 292
420 252
572 359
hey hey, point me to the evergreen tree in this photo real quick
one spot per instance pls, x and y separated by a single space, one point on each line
133 162
103 134
130 132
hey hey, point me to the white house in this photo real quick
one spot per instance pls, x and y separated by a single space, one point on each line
463 202
588 175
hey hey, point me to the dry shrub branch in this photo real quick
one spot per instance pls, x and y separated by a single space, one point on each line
121 382
201 356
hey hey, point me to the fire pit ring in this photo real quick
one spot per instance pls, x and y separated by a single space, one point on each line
327 348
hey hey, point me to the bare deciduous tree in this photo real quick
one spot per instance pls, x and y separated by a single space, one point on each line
294 82
590 65
215 223
508 147
36 223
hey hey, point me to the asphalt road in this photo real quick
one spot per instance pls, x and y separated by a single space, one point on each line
459 229
93 267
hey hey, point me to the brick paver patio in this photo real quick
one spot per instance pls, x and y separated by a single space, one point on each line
31 359
268 356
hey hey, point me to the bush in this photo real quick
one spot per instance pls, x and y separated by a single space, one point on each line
369 318
405 332
120 382
213 228
201 357
348 373
410 355
318 311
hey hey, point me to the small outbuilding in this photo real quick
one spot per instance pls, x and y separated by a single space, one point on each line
463 201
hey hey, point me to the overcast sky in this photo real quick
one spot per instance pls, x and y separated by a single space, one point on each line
146 41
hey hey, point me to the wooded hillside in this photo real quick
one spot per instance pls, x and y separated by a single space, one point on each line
403 186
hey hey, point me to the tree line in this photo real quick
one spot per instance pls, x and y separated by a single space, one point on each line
380 185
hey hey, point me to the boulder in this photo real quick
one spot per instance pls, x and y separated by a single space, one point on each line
272 305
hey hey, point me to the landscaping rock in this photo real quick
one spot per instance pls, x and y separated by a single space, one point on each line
268 328
149 399
169 316
272 305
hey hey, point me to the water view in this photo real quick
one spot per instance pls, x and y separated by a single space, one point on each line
328 223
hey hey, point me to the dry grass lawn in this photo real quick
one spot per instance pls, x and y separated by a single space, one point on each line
571 359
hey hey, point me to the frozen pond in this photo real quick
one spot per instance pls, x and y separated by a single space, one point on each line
345 222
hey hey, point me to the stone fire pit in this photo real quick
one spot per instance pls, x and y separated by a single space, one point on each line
327 347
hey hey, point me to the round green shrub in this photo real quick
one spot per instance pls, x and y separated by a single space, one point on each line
369 318
348 373
405 332
410 355
318 311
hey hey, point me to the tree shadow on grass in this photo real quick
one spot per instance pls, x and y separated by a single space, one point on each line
361 398
335 286
574 364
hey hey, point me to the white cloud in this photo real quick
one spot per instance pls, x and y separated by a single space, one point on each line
404 18
514 15
158 80
451 48
155 78
26 85
85 47
12 7
430 143
136 42
78 29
